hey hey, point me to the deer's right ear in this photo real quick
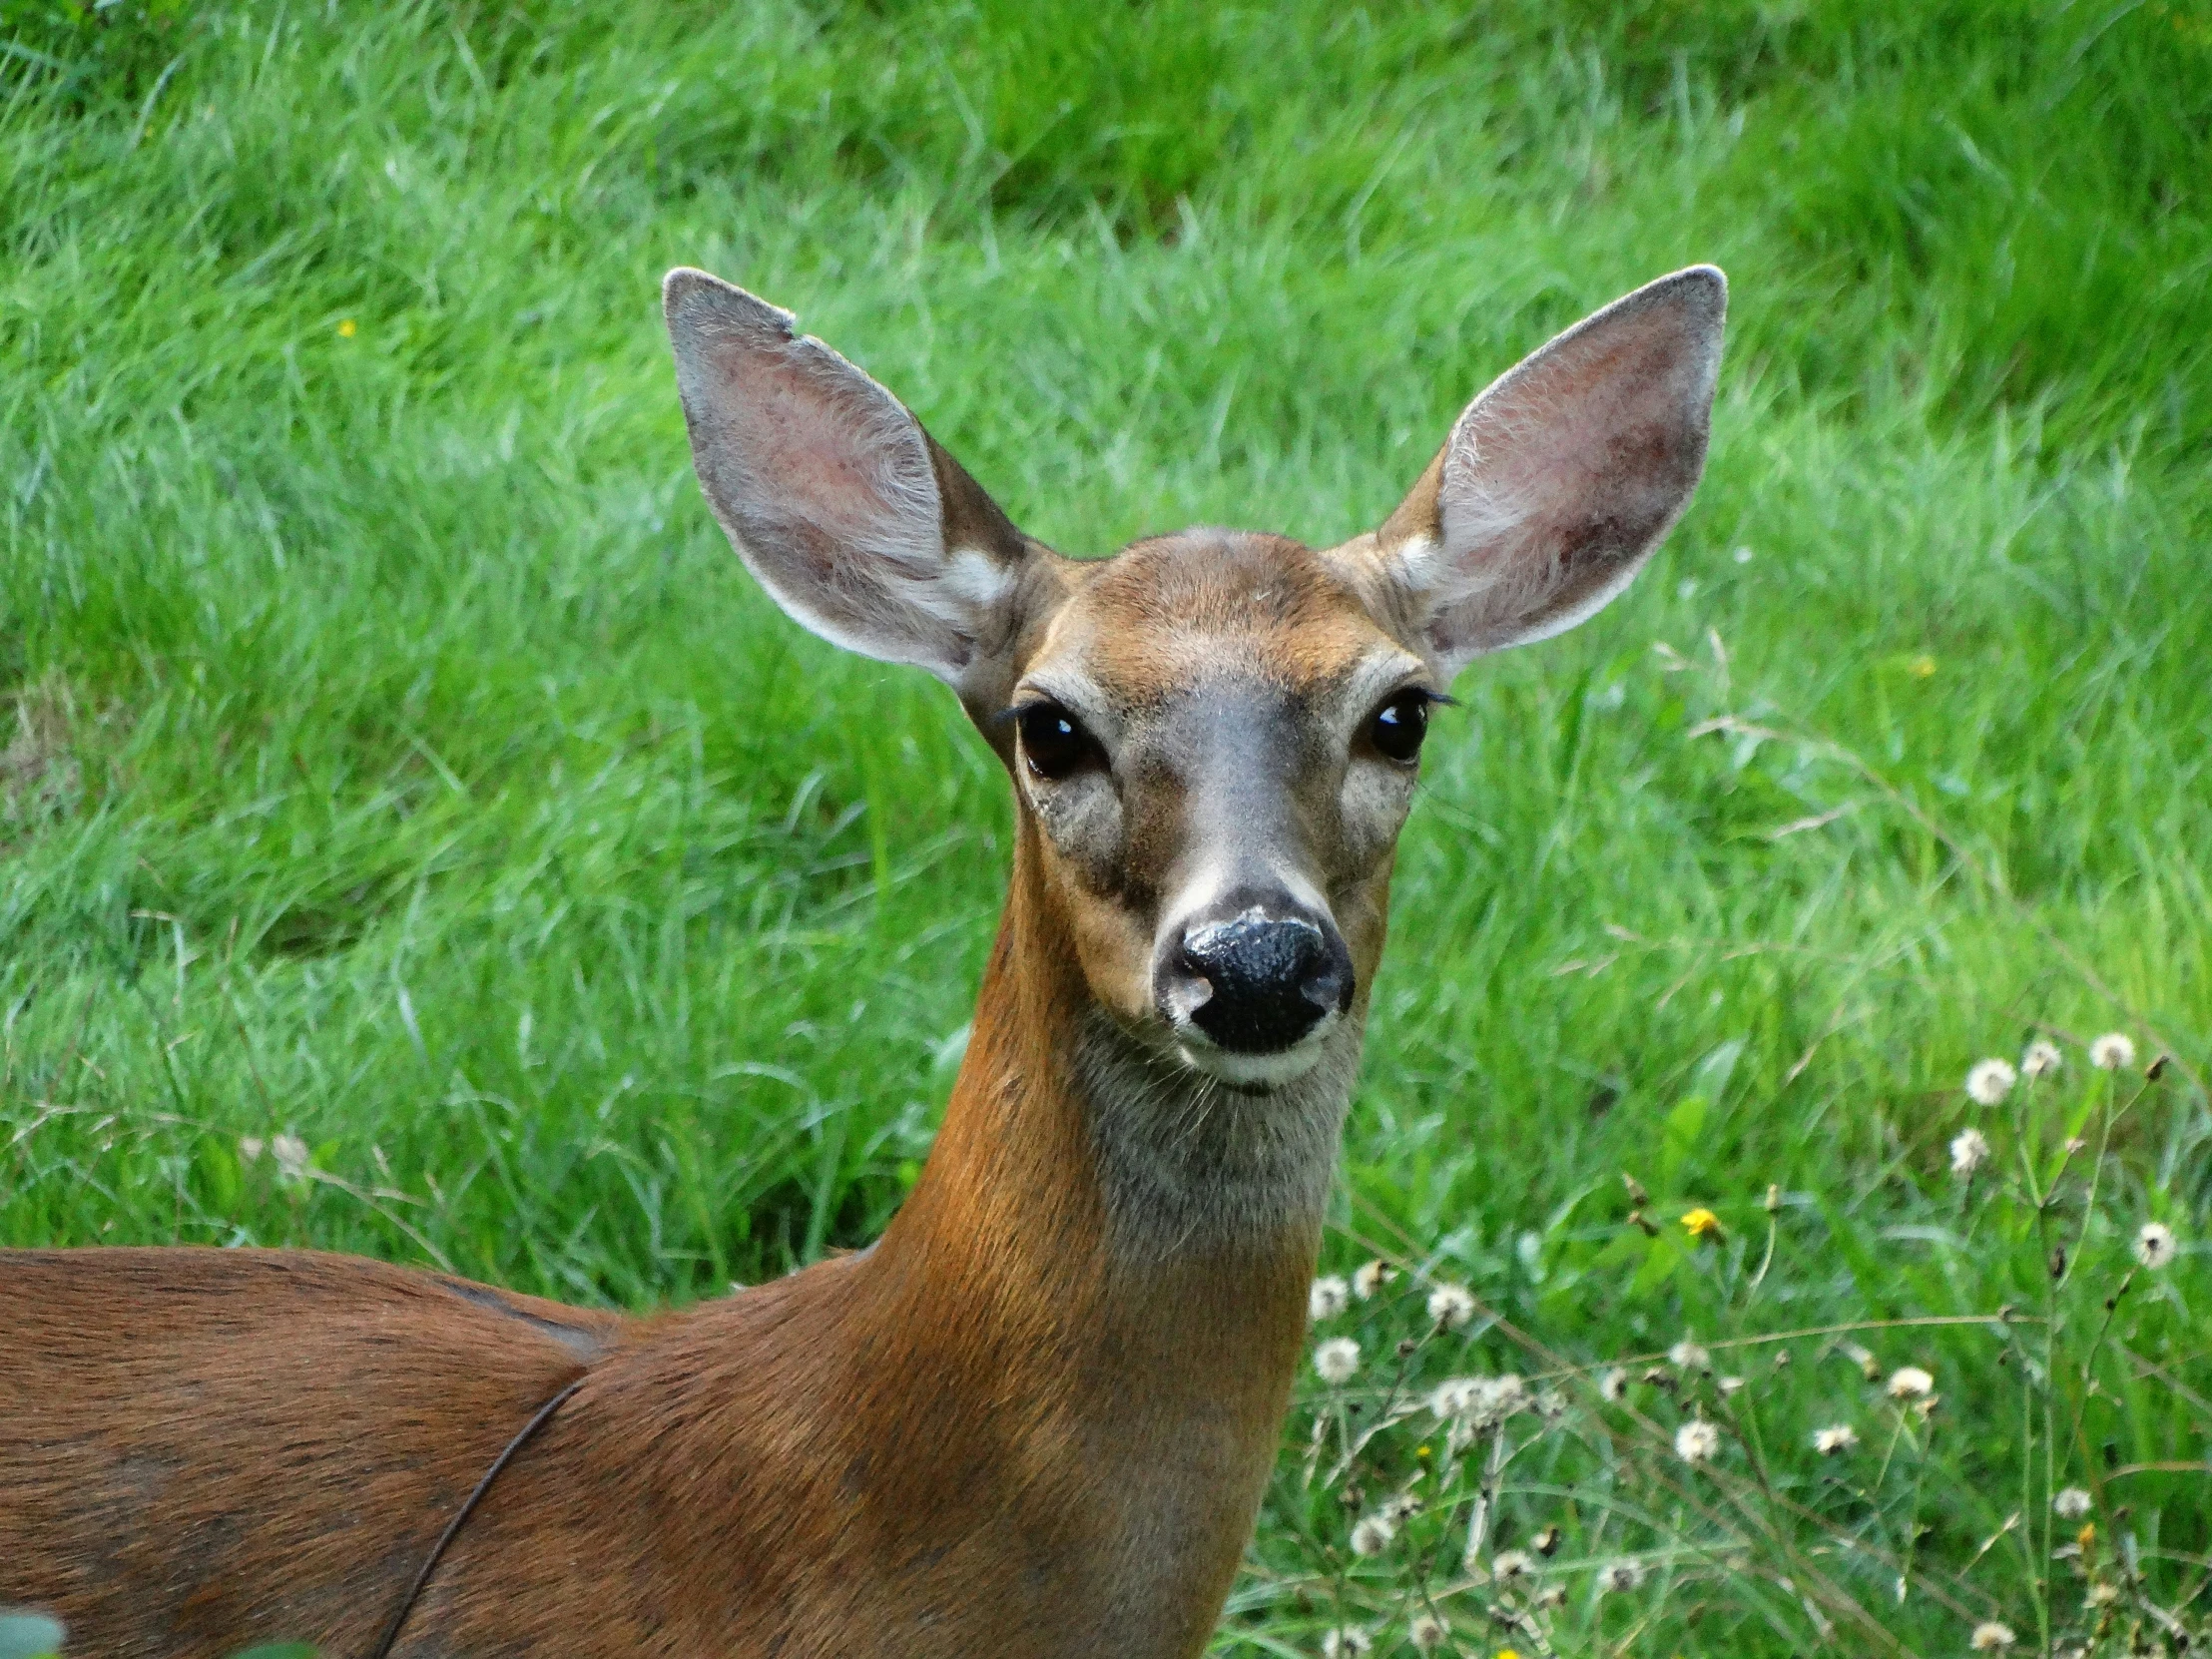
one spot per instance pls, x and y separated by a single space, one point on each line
848 513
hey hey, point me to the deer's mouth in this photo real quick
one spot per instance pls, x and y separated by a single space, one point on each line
1256 1072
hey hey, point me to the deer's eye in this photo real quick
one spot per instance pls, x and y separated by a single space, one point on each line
1400 725
1053 741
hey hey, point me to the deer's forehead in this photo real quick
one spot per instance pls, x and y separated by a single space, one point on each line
1167 616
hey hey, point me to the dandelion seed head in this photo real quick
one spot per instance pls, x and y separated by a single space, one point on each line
1329 1296
1509 1564
1970 1150
1697 1441
1910 1382
291 1153
1619 1577
1836 1439
1612 1387
1453 1398
1369 1278
2041 1058
1729 1385
1989 1081
1427 1632
1451 1306
2154 1245
1336 1359
1480 1402
1346 1639
2112 1051
2070 1504
1687 1355
1371 1534
1991 1637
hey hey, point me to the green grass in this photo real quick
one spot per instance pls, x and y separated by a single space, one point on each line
400 758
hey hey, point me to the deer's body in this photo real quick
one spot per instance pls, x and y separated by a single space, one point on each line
1037 1416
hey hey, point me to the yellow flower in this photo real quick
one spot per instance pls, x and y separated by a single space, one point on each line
1923 668
348 329
1702 1224
1509 1653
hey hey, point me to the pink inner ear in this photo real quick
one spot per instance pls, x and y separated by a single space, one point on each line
1560 480
817 448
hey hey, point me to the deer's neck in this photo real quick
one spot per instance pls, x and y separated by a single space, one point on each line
1093 1304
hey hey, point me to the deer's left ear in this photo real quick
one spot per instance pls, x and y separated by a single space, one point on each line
1557 483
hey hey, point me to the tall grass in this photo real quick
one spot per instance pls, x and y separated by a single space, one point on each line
398 759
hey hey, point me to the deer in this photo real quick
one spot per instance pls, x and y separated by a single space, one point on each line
1036 1416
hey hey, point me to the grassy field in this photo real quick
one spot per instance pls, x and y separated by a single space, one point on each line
398 759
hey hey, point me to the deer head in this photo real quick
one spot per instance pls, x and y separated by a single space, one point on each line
1214 736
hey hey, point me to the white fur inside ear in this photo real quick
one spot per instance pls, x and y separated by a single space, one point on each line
969 588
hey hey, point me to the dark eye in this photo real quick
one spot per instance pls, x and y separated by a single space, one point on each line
1400 725
1054 741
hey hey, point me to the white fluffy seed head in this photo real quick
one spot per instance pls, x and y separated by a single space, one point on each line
1478 1401
1991 1637
1612 1387
1836 1439
1970 1150
2071 1503
2154 1245
2111 1051
1337 1360
291 1153
1688 1355
2041 1058
1619 1577
1697 1442
1989 1081
1371 1534
1429 1632
1369 1279
1910 1382
1347 1639
1509 1564
1453 1398
1329 1297
1451 1306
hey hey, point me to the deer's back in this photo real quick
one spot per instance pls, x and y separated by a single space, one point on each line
203 1448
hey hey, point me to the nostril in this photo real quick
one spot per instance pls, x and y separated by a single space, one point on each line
1329 985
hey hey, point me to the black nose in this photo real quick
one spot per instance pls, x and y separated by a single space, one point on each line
1254 983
